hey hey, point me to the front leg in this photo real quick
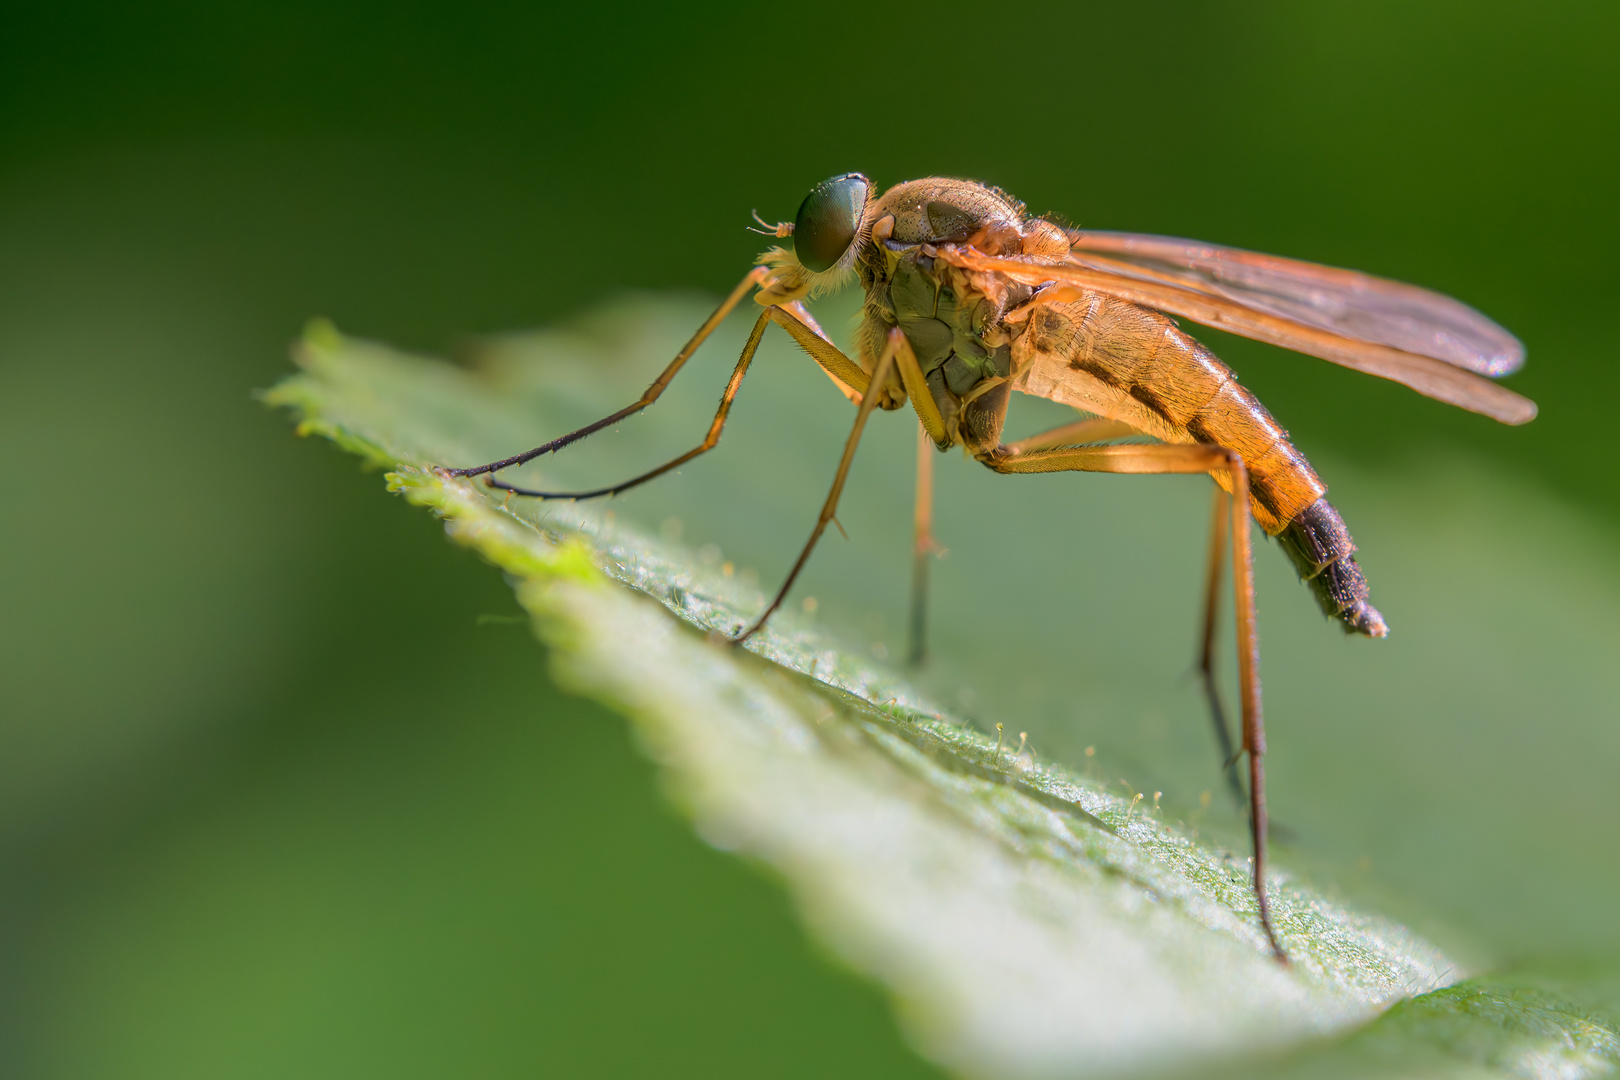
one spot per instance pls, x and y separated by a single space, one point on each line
837 366
755 277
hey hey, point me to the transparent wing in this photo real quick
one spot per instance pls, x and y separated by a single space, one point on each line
1288 313
1342 301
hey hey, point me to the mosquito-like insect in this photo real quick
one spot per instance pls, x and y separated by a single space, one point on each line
968 298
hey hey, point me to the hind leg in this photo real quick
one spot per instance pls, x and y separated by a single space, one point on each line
1206 650
1217 461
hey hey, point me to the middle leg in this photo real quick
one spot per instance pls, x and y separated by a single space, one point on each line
923 546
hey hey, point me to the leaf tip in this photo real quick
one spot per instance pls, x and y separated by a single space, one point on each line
402 479
320 335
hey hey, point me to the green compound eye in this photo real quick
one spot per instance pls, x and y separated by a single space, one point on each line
828 220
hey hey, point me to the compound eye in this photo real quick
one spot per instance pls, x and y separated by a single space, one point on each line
828 220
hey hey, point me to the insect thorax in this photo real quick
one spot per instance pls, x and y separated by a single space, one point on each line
952 317
953 321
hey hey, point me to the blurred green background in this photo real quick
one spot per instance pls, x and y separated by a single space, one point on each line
273 801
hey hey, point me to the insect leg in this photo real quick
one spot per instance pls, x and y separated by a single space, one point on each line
923 545
922 398
825 353
846 373
650 395
1206 652
830 507
1216 461
797 309
1096 429
1099 429
710 441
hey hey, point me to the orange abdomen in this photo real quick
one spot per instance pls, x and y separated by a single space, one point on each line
1113 358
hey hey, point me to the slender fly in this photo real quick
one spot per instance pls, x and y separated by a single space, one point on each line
969 298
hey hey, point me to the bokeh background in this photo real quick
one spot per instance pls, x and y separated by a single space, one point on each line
277 795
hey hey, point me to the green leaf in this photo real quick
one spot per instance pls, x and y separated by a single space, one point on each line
1538 1023
1029 920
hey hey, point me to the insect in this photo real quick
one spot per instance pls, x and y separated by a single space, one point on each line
968 298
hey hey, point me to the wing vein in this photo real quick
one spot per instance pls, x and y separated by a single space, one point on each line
1433 376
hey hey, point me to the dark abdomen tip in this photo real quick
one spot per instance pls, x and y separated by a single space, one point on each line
1342 589
1324 555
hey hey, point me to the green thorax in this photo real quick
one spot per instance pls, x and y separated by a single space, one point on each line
945 331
